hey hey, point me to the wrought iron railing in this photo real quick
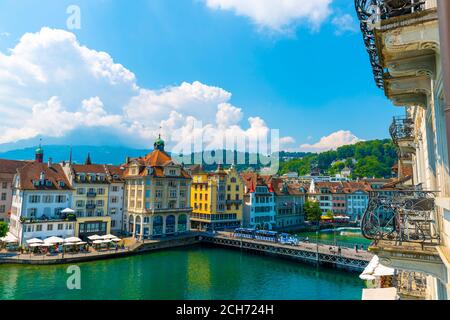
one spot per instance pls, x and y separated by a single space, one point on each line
370 12
401 128
401 216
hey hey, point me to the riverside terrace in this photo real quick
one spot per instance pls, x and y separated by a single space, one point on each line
328 255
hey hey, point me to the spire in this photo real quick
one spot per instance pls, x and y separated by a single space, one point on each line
70 155
39 153
88 159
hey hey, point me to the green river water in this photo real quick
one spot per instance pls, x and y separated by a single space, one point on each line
197 272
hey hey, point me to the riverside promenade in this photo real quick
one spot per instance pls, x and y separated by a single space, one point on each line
320 254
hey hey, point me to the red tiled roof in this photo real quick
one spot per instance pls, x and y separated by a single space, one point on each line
88 168
11 166
157 160
32 172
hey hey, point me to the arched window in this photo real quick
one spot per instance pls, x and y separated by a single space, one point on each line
170 224
157 226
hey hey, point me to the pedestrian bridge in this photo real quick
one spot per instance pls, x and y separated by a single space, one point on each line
319 254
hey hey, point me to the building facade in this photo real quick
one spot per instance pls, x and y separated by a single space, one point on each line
116 197
216 199
90 198
41 192
259 202
409 50
8 169
289 202
157 195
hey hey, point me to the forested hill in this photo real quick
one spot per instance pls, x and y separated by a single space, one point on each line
366 159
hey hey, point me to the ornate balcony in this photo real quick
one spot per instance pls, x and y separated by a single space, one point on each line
91 194
390 28
401 216
402 133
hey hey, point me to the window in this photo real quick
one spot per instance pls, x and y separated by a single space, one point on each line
115 189
80 203
80 191
113 223
32 212
113 211
47 199
3 196
114 199
60 226
101 191
100 203
60 199
50 227
58 211
35 199
39 227
2 208
4 185
158 194
173 193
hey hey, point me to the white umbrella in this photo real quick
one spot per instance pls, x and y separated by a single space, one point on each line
81 243
34 245
98 242
54 240
10 239
108 237
72 239
95 237
116 240
107 241
34 241
67 211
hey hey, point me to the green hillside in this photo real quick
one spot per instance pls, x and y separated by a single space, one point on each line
366 159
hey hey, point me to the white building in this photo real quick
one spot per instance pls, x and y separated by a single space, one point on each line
116 198
40 192
259 203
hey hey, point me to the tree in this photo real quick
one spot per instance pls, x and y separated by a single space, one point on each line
329 215
3 229
313 212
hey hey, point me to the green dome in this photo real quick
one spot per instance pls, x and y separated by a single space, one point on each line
159 144
39 150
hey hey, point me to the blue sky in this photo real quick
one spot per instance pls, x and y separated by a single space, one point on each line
307 79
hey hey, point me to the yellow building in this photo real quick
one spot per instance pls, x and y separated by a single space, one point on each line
157 195
217 199
90 198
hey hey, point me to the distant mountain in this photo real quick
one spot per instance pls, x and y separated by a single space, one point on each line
58 153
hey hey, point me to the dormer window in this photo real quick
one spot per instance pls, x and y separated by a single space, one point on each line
62 184
115 177
48 183
36 183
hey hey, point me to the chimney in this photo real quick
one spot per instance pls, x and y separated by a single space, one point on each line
42 176
50 162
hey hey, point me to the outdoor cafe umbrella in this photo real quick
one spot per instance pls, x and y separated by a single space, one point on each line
54 240
34 245
98 242
34 241
80 243
9 239
72 240
95 237
68 211
108 237
116 240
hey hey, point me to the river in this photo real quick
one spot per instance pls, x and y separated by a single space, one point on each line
197 272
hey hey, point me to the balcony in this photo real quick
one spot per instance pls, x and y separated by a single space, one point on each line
90 206
402 133
401 38
402 225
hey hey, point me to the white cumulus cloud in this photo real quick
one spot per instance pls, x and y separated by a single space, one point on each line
331 142
277 15
344 23
52 86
